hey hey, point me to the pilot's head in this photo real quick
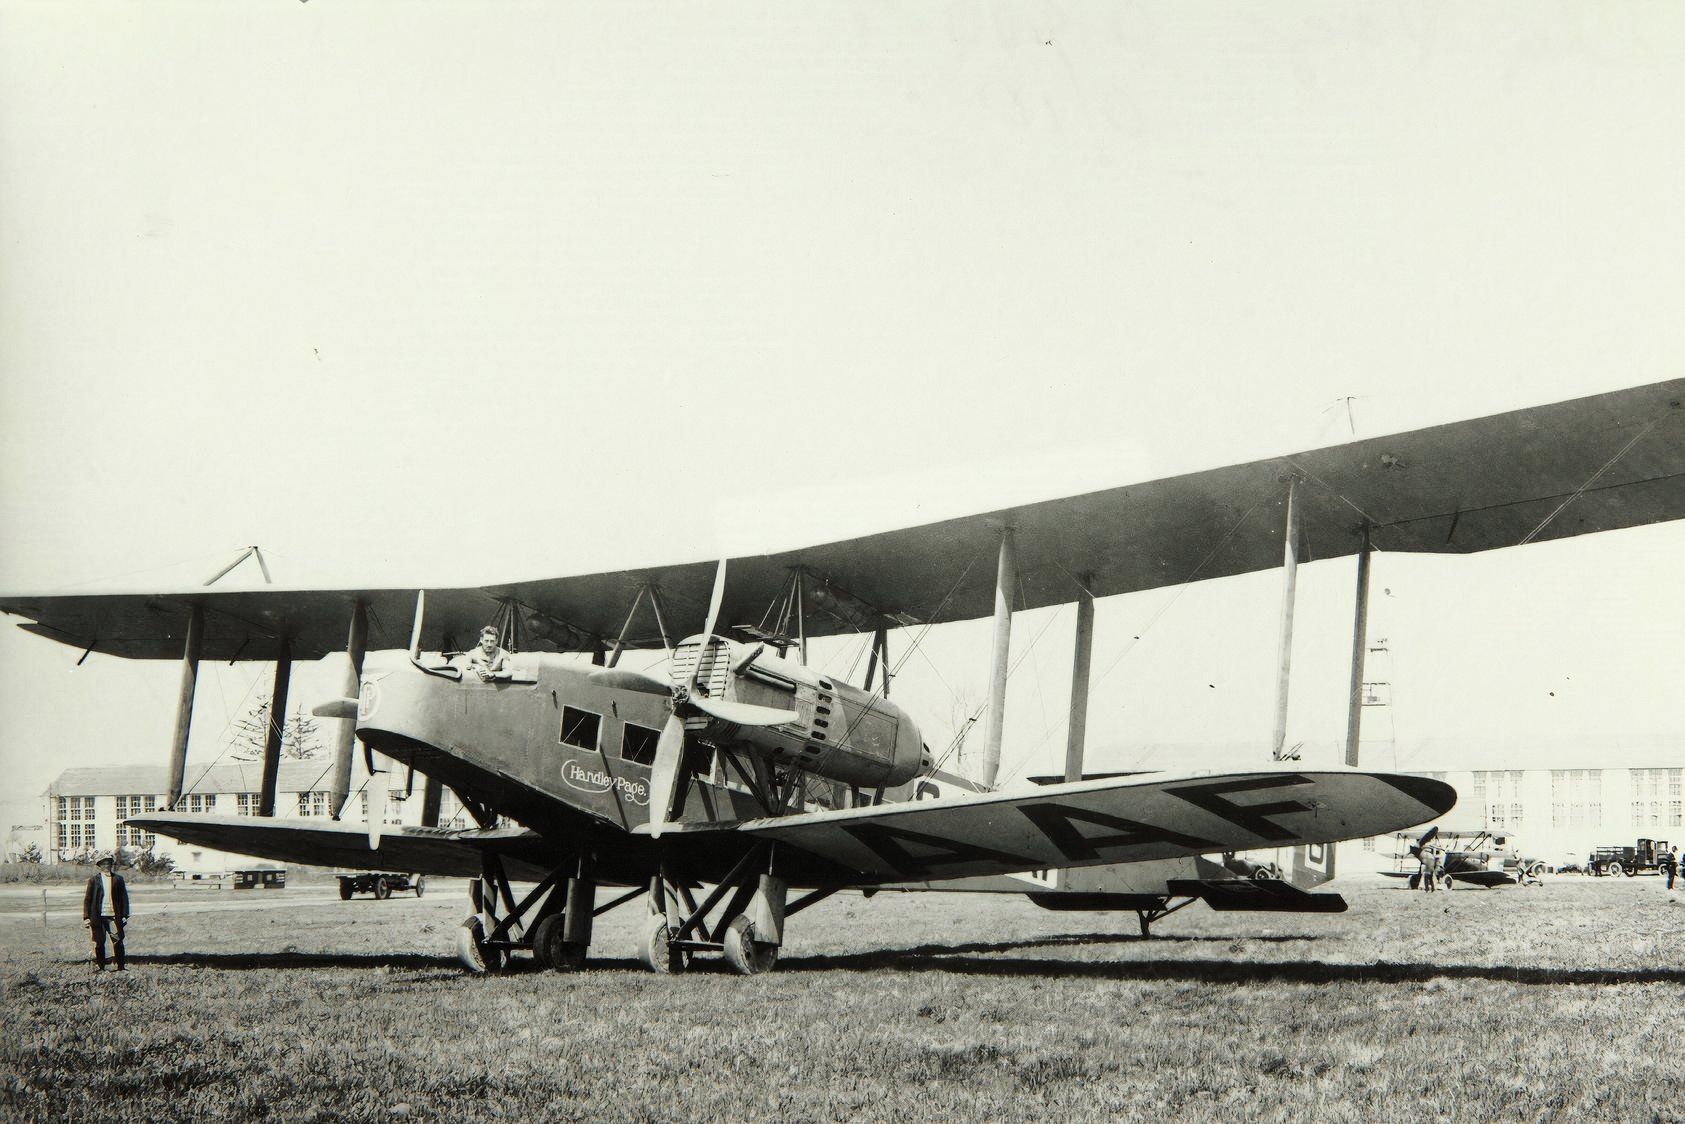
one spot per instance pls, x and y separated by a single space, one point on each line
488 640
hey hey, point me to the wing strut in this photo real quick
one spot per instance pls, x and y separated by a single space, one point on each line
1006 578
184 704
1077 725
1360 645
1289 584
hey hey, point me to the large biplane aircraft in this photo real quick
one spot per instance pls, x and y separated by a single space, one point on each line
745 774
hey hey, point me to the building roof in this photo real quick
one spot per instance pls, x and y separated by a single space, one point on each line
240 776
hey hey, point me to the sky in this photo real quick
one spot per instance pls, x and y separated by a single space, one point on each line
464 293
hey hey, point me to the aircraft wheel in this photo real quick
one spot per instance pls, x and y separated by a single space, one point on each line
656 951
1446 881
1264 874
471 948
1614 870
419 883
345 889
551 951
746 955
1414 882
381 890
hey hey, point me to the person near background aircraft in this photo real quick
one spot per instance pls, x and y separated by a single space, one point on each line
105 908
489 660
1670 865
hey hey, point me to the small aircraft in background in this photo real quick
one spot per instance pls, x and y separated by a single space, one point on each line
1480 858
745 775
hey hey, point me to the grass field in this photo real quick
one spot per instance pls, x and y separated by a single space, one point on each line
1564 1002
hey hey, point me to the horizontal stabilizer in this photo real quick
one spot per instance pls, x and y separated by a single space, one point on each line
1487 878
1254 895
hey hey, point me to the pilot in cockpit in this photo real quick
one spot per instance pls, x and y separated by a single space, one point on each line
489 660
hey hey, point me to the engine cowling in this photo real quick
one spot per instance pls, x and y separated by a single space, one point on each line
842 733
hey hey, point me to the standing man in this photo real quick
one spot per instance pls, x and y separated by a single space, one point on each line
1670 864
105 907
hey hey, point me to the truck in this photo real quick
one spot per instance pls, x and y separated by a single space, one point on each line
381 884
1644 858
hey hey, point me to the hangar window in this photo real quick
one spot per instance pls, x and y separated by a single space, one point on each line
245 803
313 803
1576 798
580 728
637 743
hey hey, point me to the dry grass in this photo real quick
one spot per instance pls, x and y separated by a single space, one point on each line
1560 1003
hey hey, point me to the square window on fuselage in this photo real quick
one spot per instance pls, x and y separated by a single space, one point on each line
580 727
637 743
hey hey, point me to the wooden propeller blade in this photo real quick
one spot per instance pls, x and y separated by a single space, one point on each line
377 806
708 629
742 714
664 774
336 708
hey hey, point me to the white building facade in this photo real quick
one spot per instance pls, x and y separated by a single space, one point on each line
85 807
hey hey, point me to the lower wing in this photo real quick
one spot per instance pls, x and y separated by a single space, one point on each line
438 851
1086 823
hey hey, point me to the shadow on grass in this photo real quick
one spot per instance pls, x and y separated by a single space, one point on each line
931 959
271 961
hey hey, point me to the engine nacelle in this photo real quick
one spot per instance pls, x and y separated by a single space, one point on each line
843 733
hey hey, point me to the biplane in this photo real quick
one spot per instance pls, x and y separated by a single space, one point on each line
744 784
1480 858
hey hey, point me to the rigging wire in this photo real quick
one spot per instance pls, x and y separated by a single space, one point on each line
1581 490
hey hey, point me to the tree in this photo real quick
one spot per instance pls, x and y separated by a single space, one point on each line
301 736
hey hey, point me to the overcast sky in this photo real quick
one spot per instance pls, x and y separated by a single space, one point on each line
443 293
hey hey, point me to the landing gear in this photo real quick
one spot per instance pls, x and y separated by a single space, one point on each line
748 929
1165 909
382 891
553 922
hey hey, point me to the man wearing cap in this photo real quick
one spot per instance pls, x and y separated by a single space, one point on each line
105 908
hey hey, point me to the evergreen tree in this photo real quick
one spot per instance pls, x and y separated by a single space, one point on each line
301 735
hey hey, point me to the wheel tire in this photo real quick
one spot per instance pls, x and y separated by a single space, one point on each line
1614 870
1263 874
1414 881
1446 881
381 890
345 889
551 951
419 883
746 955
656 952
471 948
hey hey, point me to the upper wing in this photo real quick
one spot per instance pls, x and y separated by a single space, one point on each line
1592 464
1086 823
319 842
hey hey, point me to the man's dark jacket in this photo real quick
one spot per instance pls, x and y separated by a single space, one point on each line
93 899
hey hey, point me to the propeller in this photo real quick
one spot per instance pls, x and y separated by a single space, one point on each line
669 748
1427 837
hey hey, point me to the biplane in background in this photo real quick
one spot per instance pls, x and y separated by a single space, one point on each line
746 773
1480 858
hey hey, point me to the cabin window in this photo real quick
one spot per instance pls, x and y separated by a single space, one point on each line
637 743
580 727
